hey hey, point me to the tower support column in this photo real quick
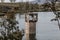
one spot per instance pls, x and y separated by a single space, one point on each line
30 31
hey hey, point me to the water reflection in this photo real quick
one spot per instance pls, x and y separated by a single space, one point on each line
32 37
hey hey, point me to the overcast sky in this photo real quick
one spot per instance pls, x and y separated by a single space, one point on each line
41 1
21 0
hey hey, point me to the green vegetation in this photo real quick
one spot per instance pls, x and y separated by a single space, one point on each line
24 7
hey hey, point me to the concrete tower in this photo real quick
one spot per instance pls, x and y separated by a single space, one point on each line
30 31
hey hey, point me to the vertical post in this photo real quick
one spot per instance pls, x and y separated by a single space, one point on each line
30 31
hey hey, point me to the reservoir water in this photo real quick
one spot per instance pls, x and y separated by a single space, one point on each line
45 29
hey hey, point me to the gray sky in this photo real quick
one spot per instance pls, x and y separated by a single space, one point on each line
41 1
20 0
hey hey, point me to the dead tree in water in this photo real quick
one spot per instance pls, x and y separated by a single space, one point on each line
10 26
52 5
17 35
57 18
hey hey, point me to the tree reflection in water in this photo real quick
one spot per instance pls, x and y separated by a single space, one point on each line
11 30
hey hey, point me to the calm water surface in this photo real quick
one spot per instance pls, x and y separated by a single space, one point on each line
46 30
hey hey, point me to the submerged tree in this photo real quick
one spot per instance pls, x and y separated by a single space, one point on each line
57 13
12 30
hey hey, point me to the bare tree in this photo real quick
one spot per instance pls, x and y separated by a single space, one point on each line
57 13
